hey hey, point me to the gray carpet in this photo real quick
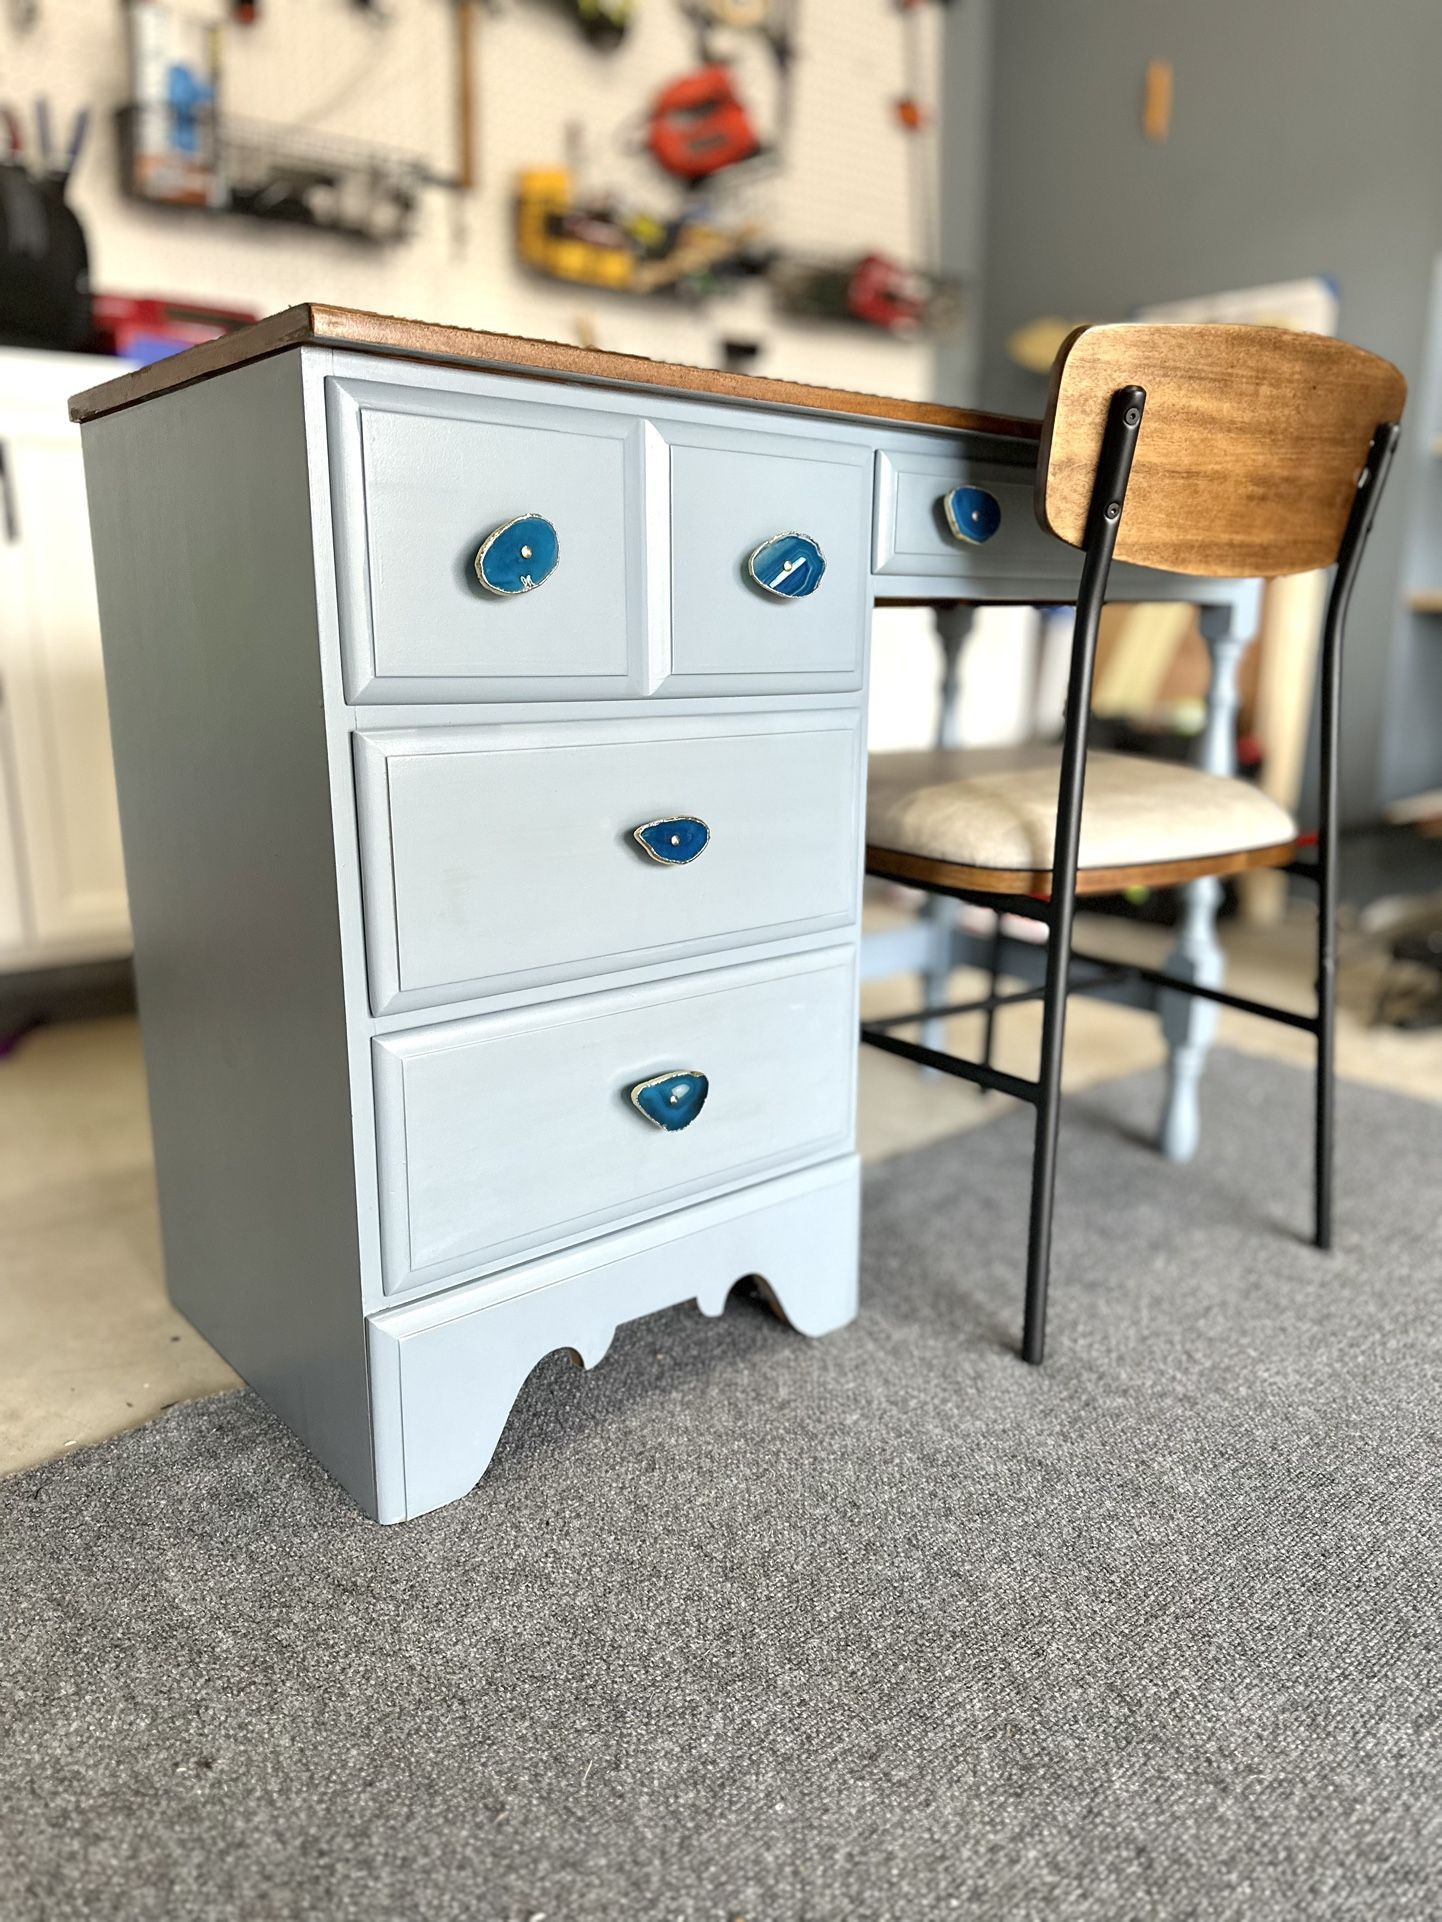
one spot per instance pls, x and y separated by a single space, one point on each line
744 1625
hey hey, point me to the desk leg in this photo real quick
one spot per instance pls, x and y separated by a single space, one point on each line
1189 1024
953 625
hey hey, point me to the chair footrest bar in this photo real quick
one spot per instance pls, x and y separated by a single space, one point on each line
974 1071
988 1003
1159 979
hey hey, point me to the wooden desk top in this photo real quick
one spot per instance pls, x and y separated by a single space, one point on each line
314 325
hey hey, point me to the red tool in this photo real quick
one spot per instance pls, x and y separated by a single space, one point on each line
699 125
885 295
144 328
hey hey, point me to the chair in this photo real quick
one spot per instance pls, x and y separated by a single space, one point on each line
1216 451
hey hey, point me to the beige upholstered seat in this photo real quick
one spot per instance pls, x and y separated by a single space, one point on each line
993 813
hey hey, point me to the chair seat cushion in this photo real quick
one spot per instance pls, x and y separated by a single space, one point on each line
997 809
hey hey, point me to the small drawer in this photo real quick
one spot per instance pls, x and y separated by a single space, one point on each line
541 1125
768 561
501 858
486 550
948 516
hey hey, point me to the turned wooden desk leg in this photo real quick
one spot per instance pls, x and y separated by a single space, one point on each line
953 625
1190 1024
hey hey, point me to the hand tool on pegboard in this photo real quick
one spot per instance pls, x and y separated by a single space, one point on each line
873 290
916 118
467 169
43 148
605 22
773 20
699 125
79 129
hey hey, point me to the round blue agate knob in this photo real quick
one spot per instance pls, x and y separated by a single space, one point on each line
787 565
518 555
972 514
674 841
671 1101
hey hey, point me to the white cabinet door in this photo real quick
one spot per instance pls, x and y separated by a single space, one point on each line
14 927
67 828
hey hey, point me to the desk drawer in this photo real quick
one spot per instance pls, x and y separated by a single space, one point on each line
524 1129
498 858
733 495
422 482
996 539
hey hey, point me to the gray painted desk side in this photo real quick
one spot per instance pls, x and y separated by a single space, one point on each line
200 513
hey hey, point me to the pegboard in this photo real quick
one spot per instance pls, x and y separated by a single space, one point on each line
843 184
844 187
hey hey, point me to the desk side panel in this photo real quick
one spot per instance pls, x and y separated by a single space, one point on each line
201 521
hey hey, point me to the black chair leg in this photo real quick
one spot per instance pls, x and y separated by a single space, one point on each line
1326 1070
1124 417
1359 524
1048 1124
994 960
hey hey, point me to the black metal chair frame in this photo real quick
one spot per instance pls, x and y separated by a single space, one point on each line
1057 911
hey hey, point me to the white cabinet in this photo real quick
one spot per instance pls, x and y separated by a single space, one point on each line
62 881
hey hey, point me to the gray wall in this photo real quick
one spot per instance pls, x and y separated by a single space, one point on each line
1306 139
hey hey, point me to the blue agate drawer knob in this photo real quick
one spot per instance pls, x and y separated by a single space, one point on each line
671 1101
518 555
674 841
971 513
787 565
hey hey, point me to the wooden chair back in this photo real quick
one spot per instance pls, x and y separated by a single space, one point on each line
1249 452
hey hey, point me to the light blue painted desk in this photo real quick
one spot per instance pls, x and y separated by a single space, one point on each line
489 723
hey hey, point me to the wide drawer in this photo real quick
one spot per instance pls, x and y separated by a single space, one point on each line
743 504
422 482
506 857
525 1129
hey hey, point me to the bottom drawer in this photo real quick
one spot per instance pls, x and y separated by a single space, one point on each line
533 1127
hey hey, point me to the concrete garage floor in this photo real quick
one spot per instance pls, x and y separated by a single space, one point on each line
89 1346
